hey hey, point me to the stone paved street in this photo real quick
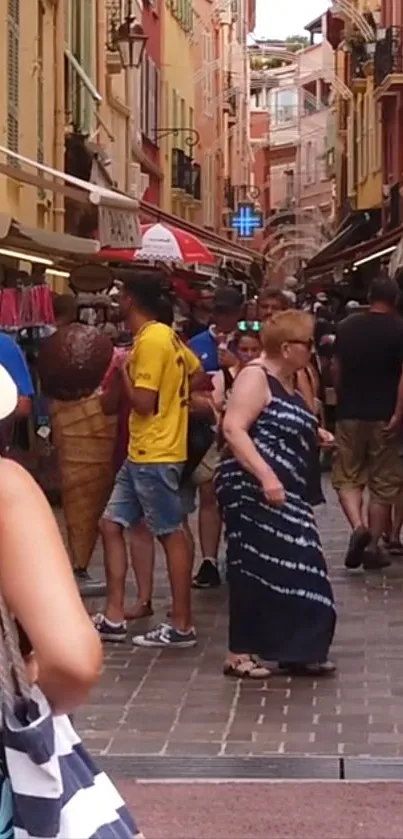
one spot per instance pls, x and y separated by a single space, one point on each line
179 704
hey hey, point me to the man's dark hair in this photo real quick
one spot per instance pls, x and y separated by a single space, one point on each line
64 305
383 290
274 294
146 289
166 311
227 301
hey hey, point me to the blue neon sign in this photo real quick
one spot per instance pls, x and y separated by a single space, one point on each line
246 221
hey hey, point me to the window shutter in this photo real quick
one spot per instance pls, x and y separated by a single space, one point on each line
13 76
86 61
40 118
157 105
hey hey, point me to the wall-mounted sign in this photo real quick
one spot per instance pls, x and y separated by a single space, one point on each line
246 220
118 228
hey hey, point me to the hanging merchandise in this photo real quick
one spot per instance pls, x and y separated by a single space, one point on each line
25 302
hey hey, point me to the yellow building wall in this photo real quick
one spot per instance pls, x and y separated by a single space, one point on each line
178 100
23 202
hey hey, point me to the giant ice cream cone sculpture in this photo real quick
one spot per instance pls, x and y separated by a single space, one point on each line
85 441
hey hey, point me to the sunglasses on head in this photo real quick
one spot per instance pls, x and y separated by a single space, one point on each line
249 326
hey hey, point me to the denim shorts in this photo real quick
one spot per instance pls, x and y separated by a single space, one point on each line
149 491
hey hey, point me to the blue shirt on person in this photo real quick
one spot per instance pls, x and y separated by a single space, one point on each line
204 345
13 360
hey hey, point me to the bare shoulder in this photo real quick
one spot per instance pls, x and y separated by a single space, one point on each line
251 377
14 480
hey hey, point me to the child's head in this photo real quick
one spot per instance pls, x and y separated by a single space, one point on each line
247 342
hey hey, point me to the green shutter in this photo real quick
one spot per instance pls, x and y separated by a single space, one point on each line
40 118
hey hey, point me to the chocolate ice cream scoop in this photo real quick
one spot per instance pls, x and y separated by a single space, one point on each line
73 361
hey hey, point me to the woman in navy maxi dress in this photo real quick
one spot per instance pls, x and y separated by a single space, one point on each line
280 598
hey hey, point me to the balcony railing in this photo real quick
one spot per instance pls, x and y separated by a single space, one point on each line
389 55
186 174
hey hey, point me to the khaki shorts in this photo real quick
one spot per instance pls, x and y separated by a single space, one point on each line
366 456
204 473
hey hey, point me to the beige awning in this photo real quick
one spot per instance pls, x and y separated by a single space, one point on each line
15 235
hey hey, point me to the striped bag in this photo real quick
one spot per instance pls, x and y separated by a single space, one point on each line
57 791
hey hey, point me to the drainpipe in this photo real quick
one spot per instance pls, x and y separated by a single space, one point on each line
59 115
100 52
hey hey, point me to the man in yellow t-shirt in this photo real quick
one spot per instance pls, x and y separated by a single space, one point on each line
157 383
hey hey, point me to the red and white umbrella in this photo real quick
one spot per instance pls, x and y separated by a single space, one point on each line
161 241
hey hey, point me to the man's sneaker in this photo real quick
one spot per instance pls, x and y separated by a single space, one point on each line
166 635
116 632
207 576
87 585
359 540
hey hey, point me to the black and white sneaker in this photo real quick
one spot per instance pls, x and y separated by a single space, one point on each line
87 585
166 635
207 576
115 632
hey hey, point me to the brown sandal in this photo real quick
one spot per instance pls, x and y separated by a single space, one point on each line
246 669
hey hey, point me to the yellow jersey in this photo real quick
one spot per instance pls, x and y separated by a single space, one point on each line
161 362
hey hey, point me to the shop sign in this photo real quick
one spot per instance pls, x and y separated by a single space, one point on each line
118 228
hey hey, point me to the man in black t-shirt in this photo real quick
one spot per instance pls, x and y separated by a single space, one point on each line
368 366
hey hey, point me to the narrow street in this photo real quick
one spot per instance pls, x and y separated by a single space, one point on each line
171 730
153 705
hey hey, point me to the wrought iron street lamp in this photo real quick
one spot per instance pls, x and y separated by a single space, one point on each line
130 39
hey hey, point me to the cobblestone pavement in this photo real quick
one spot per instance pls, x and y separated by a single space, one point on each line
177 703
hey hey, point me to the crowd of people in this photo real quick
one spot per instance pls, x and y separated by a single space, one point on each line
229 418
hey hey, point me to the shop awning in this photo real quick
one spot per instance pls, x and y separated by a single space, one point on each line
14 235
118 221
376 248
217 244
358 229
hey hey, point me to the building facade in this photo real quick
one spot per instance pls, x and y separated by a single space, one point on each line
207 153
388 95
150 102
27 101
178 107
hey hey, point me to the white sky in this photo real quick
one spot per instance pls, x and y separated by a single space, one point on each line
280 18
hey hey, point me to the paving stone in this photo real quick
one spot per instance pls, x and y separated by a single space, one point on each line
153 701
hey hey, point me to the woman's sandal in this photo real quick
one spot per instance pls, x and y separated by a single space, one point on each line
325 668
246 669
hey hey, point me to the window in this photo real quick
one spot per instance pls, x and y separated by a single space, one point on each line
175 108
13 76
351 156
309 163
183 11
182 124
208 73
150 99
40 122
284 105
378 137
359 137
80 104
365 136
208 189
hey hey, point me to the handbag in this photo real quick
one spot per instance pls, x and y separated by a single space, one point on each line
57 790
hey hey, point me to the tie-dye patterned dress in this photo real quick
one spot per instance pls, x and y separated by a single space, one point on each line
281 601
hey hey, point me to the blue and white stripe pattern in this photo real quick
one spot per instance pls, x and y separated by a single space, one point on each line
281 601
58 792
